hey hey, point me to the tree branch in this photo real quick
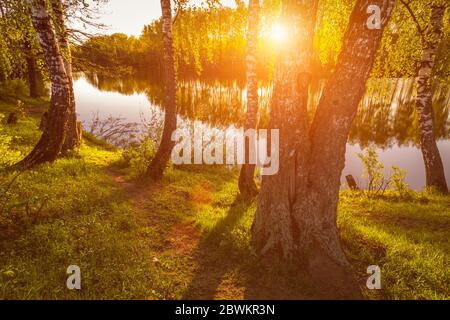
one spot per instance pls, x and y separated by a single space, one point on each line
407 6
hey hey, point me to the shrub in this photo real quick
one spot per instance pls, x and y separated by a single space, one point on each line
373 171
138 157
14 88
397 180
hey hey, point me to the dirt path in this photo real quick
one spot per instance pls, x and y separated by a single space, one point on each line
203 269
179 238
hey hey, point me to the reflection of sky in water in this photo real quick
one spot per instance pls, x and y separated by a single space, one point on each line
408 158
91 100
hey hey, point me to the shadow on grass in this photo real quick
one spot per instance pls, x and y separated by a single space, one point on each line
412 223
228 269
217 255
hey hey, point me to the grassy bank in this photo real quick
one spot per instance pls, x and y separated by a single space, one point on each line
186 236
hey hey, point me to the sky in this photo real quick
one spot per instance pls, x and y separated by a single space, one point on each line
130 16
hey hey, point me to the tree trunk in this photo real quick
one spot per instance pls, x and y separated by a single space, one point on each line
162 157
329 133
296 214
247 185
32 71
74 131
50 143
435 176
273 225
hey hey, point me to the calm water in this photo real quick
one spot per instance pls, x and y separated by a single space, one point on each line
386 117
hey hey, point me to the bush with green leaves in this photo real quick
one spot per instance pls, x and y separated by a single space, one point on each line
137 157
14 88
397 180
374 171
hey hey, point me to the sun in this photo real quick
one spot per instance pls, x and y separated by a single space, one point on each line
278 33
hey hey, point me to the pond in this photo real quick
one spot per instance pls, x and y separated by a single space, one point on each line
386 117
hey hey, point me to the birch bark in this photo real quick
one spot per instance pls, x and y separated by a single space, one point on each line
247 185
74 131
50 143
434 169
159 163
296 213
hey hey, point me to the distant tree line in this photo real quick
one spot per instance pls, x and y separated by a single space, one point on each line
212 42
207 42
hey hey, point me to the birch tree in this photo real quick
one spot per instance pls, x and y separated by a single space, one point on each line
247 185
296 212
431 37
159 162
74 130
52 139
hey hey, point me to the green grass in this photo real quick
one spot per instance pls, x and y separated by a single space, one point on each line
187 236
407 238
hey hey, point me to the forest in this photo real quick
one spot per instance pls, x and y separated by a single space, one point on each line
231 150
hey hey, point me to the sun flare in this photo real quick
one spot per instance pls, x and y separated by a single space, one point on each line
278 33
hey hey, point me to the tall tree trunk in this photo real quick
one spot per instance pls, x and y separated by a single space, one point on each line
329 134
247 185
296 214
31 70
74 131
435 176
50 143
159 163
273 224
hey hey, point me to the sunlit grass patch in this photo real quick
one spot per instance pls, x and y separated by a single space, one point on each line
407 239
189 235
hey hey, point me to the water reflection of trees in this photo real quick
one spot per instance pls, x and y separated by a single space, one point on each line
386 116
387 113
